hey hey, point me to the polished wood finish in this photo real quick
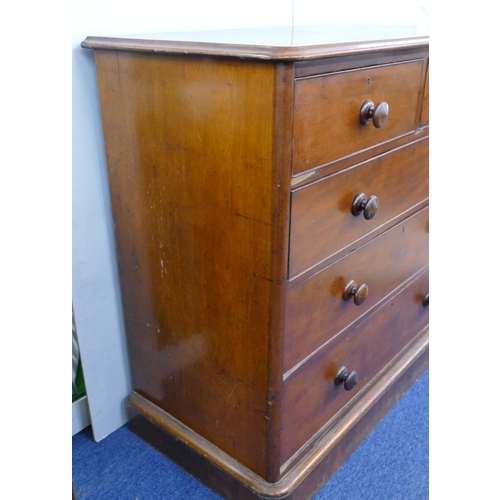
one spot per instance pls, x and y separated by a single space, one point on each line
321 66
187 189
348 433
316 309
311 397
380 114
327 109
238 232
369 113
347 378
366 206
300 480
358 293
287 43
302 179
322 221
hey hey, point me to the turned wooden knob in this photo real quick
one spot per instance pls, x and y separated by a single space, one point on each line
366 206
425 302
352 290
379 113
350 379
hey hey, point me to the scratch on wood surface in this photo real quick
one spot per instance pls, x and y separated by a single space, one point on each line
230 394
251 218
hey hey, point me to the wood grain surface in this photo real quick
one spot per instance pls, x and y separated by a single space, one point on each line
326 119
232 170
195 190
321 220
315 310
310 396
303 479
285 43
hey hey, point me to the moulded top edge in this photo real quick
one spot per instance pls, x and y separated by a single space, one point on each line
298 43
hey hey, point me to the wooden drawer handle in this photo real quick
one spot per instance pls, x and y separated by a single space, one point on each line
352 290
366 206
350 379
379 113
425 302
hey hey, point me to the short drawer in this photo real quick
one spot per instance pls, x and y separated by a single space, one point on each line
322 221
316 310
327 108
311 397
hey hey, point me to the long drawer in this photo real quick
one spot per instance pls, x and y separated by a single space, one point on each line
322 222
311 397
316 310
327 108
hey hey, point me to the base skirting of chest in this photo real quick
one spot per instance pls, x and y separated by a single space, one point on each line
227 477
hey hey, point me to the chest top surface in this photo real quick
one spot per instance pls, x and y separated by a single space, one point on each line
293 43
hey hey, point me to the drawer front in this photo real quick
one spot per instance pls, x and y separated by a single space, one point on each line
311 397
327 123
322 222
315 309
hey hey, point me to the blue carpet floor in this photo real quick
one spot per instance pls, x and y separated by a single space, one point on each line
391 464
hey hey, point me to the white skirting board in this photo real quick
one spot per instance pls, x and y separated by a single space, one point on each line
81 414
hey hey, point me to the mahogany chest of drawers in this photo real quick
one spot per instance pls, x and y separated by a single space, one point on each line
271 217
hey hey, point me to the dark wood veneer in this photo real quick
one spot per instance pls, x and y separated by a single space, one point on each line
311 397
257 52
316 310
232 186
188 190
327 111
322 222
304 478
354 61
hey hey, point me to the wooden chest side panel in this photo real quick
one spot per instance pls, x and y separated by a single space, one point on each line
189 144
